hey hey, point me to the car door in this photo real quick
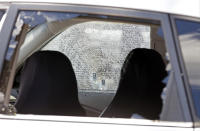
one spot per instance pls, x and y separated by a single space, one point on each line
126 26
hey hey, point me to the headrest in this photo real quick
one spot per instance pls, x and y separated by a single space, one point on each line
142 69
48 86
140 86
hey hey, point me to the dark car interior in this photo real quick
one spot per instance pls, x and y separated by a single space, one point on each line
45 82
46 90
48 86
140 86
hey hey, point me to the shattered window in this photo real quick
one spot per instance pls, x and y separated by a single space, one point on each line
97 50
31 19
96 45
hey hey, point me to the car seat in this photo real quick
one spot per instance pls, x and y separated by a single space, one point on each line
48 86
140 86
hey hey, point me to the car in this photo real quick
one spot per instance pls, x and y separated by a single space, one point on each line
99 65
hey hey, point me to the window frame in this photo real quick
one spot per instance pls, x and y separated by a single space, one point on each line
99 10
4 7
182 64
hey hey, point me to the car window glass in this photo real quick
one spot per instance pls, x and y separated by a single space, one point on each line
97 47
102 48
97 50
2 13
189 37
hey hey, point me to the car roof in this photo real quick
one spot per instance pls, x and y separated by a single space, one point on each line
182 7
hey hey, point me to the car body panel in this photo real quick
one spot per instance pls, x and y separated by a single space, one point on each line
184 7
197 129
88 123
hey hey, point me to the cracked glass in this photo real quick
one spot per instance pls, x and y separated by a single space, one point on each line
97 50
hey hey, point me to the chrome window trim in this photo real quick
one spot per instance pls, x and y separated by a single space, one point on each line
162 17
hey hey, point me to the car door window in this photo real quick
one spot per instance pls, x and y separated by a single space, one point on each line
97 47
189 37
97 50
